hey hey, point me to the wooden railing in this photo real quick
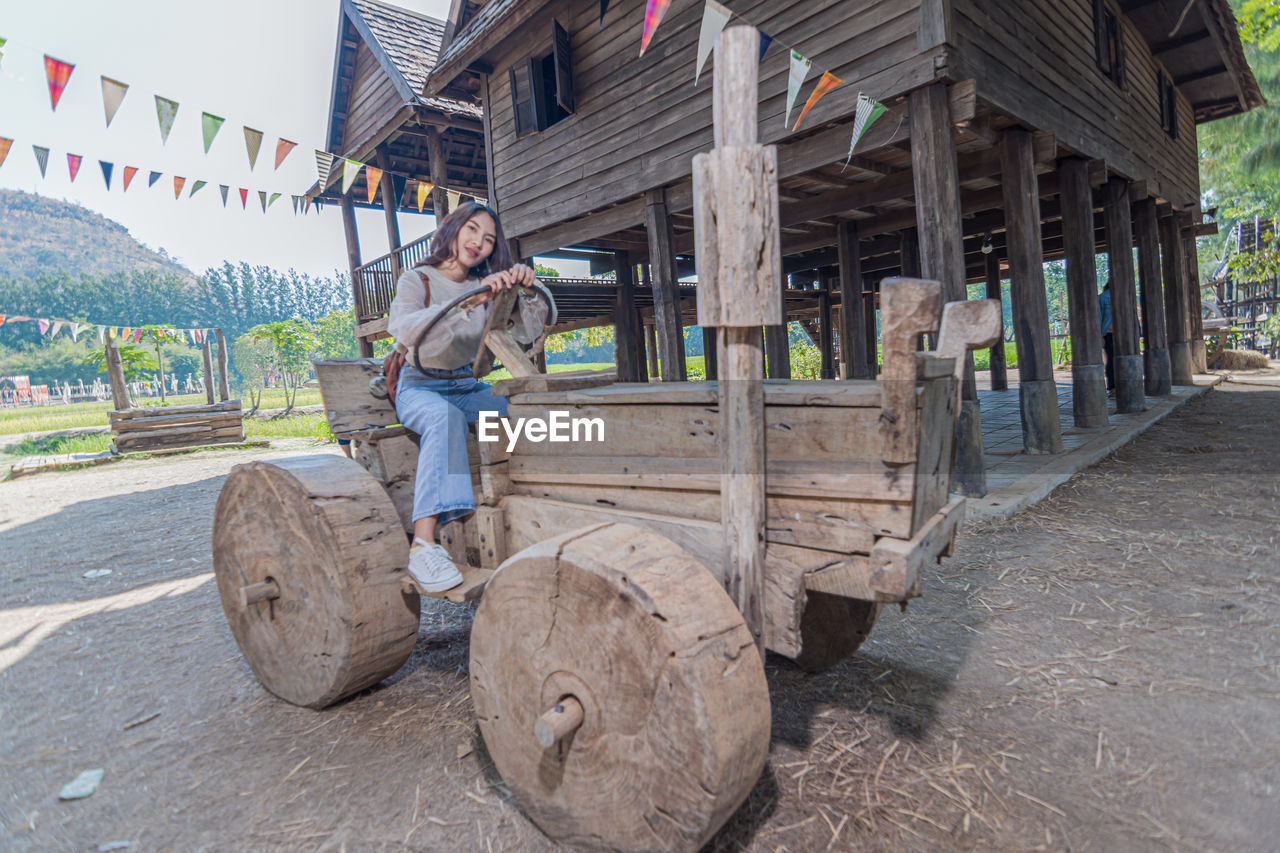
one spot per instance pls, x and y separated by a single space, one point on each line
375 284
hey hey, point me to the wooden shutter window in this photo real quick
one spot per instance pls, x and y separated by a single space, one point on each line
522 98
563 66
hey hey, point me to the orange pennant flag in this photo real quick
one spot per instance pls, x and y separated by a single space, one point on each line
177 185
283 147
826 83
372 177
129 172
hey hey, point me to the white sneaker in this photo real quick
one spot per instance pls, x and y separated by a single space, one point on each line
430 566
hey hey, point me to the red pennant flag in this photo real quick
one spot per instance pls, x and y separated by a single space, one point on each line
283 147
4 149
177 185
58 73
129 172
73 165
244 199
826 83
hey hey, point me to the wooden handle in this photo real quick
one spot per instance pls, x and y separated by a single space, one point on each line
558 723
266 590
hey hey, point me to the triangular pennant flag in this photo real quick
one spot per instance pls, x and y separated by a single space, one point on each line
826 83
196 187
324 165
59 73
210 124
350 171
73 165
152 178
2 41
57 327
765 41
129 172
177 185
452 198
295 199
262 197
107 168
306 205
1 315
75 331
273 198
102 334
4 149
424 190
112 94
865 115
137 336
283 147
654 10
244 199
223 188
604 7
714 19
166 112
44 325
372 177
252 142
795 79
42 157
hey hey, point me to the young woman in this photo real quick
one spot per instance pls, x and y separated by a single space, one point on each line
467 251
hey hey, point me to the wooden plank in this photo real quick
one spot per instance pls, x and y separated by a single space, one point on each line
855 394
569 380
896 564
909 308
344 388
216 408
932 485
178 437
163 422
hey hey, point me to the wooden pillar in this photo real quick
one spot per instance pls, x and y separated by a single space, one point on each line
1177 319
438 164
115 375
1130 396
828 369
941 236
869 328
1088 379
389 206
208 370
224 392
909 253
710 357
777 346
628 353
651 347
1156 348
1037 394
666 303
1199 356
353 261
999 370
853 327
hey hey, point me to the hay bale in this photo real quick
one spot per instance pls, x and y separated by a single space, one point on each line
1243 359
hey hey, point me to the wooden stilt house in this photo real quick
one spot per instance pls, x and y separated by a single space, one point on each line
1015 132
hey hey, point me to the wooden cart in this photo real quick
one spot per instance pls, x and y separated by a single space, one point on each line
628 586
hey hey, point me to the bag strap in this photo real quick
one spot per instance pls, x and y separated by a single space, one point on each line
426 285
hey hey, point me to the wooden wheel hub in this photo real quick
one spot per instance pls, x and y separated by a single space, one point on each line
663 724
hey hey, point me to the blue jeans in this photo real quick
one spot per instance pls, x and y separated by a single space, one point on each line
439 411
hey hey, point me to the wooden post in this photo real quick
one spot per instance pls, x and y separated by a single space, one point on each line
666 302
208 370
389 205
1199 356
1088 378
1037 394
1156 347
1124 301
224 392
777 345
353 261
941 238
627 352
1177 319
115 375
651 347
827 369
710 361
438 164
999 370
853 329
739 264
869 326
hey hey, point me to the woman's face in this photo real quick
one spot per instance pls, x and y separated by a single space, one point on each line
475 241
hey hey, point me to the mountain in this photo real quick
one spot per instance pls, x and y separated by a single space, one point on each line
41 234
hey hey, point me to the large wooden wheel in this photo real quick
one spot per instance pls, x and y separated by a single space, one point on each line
832 628
308 554
622 654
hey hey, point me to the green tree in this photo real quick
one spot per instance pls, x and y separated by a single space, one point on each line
253 361
157 337
135 361
336 334
292 343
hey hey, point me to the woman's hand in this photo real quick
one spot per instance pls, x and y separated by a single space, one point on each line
519 275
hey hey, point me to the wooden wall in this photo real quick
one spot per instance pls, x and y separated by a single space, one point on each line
1034 59
639 121
372 102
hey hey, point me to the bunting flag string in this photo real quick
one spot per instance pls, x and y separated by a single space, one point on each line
113 92
42 158
106 172
653 13
5 144
283 147
51 326
129 172
166 112
372 177
210 124
252 142
58 73
826 83
73 165
714 18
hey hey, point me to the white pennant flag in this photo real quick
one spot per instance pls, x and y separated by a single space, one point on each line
75 331
865 115
102 334
795 79
350 171
57 324
714 19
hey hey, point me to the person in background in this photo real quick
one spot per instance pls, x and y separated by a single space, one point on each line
1108 340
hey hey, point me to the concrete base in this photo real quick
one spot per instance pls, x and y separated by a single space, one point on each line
1129 395
969 474
1041 429
1156 366
1199 356
1089 395
1181 370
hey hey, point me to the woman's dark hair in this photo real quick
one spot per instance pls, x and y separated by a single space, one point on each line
447 232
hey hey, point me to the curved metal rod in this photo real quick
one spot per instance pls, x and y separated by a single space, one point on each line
431 324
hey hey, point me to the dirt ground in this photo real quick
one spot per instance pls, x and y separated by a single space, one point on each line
1101 672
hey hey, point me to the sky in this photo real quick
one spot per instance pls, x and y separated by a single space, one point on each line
266 64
